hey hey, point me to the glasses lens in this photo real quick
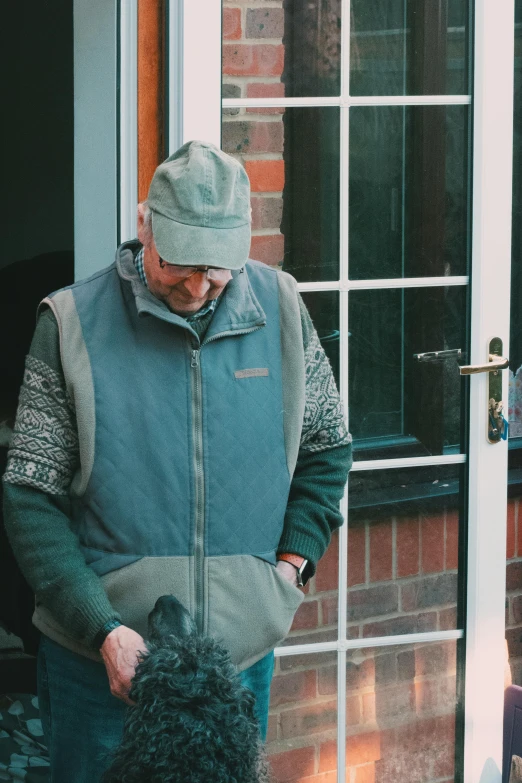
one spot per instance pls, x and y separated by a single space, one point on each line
219 275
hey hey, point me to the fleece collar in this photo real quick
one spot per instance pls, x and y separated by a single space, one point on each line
239 308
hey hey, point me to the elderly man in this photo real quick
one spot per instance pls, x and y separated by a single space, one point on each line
178 431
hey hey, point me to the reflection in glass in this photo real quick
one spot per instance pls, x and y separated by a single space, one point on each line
403 550
409 48
292 160
402 702
400 406
295 46
515 343
408 191
302 722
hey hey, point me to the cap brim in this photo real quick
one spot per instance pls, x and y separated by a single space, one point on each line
186 245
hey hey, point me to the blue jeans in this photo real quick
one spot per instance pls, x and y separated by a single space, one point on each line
83 722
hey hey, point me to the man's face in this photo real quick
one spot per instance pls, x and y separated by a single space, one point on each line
183 297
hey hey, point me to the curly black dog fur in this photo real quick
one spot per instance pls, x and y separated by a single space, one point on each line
193 721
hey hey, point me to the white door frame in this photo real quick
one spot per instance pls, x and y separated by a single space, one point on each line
491 253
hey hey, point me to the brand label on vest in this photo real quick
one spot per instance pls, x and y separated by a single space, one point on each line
253 372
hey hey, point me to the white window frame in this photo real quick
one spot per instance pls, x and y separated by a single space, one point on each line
491 249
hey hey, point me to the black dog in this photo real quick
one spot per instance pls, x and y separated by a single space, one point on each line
193 721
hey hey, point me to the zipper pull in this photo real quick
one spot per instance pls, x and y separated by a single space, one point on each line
195 358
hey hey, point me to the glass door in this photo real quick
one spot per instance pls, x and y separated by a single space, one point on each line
380 165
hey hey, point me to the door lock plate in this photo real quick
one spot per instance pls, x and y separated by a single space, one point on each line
497 424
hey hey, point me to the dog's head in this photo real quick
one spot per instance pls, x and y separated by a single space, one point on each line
169 618
193 721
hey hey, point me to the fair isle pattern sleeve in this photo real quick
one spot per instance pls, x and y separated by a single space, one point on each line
324 424
44 450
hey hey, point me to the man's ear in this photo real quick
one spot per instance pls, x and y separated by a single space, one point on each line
142 229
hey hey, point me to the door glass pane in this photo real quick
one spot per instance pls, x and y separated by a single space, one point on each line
408 191
323 307
403 550
407 698
302 722
292 160
286 49
401 405
409 48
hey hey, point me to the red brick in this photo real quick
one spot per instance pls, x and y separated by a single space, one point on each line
289 663
265 23
426 696
327 575
266 213
293 687
353 711
359 676
356 556
269 249
372 602
327 684
517 609
324 777
271 734
258 90
253 60
363 748
448 619
305 721
328 756
266 176
365 774
329 607
430 591
435 659
252 137
369 708
432 535
293 764
231 24
452 540
394 701
408 547
406 665
425 621
381 555
385 668
514 576
510 539
307 616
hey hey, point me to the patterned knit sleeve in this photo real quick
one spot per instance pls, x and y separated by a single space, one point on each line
44 448
324 424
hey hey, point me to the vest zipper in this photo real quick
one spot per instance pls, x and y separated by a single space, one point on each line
199 492
199 489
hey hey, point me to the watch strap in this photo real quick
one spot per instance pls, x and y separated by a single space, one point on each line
295 560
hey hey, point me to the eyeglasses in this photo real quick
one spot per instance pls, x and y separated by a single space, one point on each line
184 272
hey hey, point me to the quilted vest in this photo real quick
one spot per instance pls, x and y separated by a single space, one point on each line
189 446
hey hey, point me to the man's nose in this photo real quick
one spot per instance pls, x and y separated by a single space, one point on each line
197 285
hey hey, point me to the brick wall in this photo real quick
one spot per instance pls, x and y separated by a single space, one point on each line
253 60
400 700
514 589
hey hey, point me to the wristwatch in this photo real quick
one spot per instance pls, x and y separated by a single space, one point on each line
302 566
104 631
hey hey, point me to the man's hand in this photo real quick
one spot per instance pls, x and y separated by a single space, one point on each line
120 656
288 571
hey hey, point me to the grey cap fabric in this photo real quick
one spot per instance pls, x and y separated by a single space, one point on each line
200 203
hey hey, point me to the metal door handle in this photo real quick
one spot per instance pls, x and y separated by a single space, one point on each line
495 364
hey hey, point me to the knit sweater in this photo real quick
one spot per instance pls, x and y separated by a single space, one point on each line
37 521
